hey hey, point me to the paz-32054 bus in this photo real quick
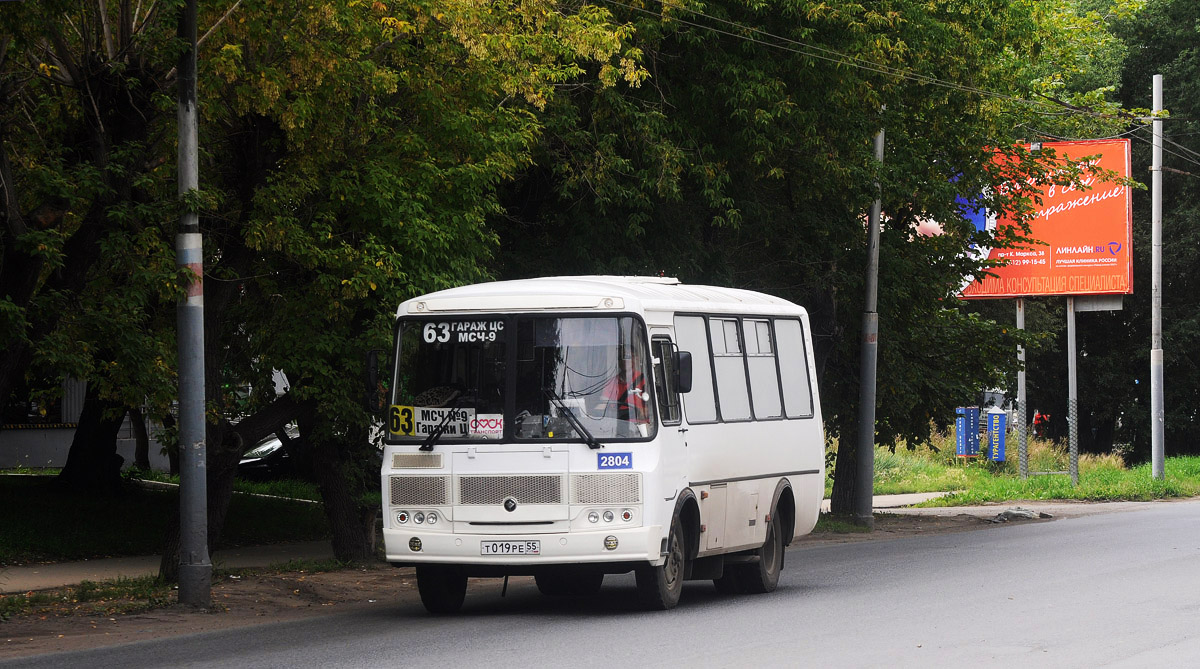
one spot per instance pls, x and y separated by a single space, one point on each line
572 427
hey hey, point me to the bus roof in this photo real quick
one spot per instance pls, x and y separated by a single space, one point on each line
598 293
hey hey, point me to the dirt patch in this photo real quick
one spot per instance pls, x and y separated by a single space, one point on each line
257 598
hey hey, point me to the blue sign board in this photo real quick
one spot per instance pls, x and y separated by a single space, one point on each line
996 426
966 431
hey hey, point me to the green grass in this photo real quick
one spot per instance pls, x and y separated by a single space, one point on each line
290 488
122 595
976 481
54 524
835 525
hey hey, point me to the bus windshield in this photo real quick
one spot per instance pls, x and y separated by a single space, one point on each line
515 378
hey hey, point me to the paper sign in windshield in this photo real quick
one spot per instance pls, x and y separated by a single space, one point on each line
487 426
424 421
462 331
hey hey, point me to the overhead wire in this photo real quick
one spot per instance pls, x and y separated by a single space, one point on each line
832 55
835 56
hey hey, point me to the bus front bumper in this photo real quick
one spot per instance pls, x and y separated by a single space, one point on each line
636 544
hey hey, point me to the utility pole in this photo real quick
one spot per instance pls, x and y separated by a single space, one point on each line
865 479
1157 411
195 569
1022 426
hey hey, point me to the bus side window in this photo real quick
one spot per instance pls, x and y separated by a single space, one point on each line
760 362
793 369
664 380
701 403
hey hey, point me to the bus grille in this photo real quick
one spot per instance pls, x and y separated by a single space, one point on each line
605 489
416 461
422 490
533 489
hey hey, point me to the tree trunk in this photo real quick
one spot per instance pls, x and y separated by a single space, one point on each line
845 474
339 478
225 444
93 465
141 450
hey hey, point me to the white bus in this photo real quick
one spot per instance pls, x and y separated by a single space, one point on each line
572 427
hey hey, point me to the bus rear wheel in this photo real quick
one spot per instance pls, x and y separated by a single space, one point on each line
762 575
442 588
569 584
658 588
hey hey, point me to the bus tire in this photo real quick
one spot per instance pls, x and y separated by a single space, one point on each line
762 575
569 584
658 588
442 588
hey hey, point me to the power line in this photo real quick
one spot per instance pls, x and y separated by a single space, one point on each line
1184 157
834 56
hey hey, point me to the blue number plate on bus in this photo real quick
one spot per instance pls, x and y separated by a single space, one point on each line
614 461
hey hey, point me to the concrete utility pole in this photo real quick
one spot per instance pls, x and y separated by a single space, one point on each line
865 480
1072 394
1157 410
1022 426
195 569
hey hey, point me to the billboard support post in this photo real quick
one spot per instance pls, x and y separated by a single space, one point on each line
1022 426
1072 393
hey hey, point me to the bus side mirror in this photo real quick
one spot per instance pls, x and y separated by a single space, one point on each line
683 371
372 401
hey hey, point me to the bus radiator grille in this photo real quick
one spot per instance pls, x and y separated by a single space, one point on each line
420 490
416 461
532 489
605 489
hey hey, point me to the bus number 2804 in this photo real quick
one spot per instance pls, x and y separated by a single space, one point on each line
614 461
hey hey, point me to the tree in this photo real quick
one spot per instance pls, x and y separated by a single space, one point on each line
746 161
81 137
351 157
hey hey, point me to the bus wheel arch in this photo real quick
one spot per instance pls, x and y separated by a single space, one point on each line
659 588
687 509
784 504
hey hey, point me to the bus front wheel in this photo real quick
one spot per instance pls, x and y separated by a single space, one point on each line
442 588
659 587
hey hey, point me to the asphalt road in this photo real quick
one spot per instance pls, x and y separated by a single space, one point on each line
1118 589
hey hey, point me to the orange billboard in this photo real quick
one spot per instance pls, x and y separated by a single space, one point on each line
1086 233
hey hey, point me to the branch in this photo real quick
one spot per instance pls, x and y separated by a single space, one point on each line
217 24
171 73
125 34
62 54
14 223
108 43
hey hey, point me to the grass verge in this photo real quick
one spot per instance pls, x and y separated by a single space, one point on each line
56 525
123 595
976 481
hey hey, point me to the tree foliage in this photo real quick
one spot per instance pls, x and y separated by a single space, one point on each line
358 153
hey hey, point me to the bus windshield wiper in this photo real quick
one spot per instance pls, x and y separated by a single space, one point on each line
562 408
438 431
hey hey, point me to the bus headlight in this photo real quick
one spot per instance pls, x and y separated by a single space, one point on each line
608 516
431 518
593 517
418 517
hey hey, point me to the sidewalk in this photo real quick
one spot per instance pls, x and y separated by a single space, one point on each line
43 576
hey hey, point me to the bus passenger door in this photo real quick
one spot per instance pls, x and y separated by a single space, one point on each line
672 435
